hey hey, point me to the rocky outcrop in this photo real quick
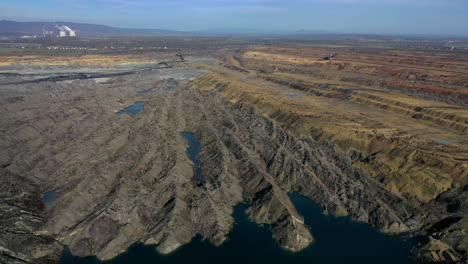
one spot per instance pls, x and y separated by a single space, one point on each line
444 241
22 215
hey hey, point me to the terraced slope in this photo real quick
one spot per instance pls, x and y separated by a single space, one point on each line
395 161
437 75
415 144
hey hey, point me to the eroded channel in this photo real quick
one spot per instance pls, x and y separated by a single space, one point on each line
193 150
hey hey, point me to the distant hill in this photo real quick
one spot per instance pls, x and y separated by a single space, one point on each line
36 28
240 31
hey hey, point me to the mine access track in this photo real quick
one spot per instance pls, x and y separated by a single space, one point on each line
80 76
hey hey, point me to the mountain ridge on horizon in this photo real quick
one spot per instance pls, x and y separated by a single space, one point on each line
83 29
10 27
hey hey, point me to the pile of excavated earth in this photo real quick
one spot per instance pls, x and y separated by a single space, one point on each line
75 172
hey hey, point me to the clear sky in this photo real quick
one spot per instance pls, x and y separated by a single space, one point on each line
435 17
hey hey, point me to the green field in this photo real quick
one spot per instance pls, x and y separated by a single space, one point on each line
9 51
459 45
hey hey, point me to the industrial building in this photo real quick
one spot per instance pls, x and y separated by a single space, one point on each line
65 31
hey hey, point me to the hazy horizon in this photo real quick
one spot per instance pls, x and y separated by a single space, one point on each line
387 17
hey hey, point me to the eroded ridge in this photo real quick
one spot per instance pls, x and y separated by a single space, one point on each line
128 179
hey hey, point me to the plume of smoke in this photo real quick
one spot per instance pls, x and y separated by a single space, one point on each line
67 28
63 28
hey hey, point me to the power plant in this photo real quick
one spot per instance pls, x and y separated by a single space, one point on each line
65 31
58 31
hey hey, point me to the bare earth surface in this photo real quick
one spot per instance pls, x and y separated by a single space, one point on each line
385 143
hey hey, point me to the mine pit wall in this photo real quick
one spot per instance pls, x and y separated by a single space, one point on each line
136 185
403 179
448 120
445 120
272 162
400 166
436 89
451 73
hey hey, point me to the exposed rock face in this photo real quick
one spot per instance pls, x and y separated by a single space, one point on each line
447 204
126 179
445 241
21 216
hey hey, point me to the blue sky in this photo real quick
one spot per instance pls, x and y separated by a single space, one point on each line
435 17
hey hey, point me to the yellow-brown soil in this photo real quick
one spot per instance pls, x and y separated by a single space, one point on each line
87 60
393 132
439 74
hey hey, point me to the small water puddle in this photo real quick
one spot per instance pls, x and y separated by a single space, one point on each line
171 86
293 95
438 140
50 197
193 150
133 110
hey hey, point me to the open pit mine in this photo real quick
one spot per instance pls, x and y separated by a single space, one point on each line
101 152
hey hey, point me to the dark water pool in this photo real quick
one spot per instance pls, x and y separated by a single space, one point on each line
337 241
50 197
341 240
193 150
134 109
